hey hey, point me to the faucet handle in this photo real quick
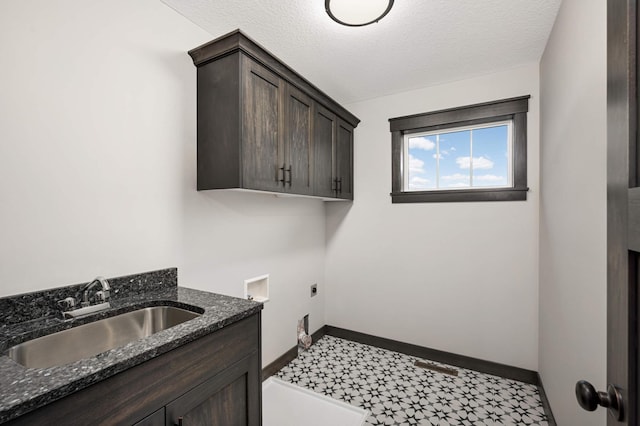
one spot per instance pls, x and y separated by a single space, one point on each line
67 303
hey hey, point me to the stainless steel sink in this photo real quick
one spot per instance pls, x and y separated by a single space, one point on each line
93 338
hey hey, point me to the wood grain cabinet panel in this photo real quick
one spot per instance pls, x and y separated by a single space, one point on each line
344 160
333 140
298 142
227 399
261 126
325 124
154 419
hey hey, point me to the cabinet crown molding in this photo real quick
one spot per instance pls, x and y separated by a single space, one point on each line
238 41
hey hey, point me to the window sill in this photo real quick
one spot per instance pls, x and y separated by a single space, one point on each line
489 194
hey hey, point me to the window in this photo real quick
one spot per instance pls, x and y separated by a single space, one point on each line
471 153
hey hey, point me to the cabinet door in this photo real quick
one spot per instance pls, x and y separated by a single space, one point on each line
344 160
231 398
154 419
324 132
298 142
262 122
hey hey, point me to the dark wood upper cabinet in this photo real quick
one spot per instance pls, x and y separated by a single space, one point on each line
298 164
261 126
344 160
325 125
333 155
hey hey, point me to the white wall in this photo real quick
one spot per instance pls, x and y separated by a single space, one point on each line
458 277
97 165
573 294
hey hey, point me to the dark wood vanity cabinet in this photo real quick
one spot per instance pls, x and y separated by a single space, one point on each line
214 380
154 419
258 125
222 400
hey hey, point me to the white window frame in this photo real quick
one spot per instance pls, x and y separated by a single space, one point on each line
437 133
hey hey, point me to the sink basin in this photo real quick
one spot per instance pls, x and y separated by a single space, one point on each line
93 338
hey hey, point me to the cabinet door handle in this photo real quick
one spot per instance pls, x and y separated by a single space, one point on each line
283 180
179 422
290 175
339 185
334 185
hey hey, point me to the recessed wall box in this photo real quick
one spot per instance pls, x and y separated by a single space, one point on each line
257 288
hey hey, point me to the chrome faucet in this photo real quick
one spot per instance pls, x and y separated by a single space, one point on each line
102 295
68 305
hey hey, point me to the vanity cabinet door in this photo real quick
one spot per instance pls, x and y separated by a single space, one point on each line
227 399
154 419
263 158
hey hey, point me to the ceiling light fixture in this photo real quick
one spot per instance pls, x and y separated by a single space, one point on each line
357 13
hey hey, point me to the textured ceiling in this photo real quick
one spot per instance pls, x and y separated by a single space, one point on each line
420 43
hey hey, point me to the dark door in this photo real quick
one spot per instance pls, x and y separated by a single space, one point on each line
324 125
154 419
262 122
620 394
344 161
298 145
230 398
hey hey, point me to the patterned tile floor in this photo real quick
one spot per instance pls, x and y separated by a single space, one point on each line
397 393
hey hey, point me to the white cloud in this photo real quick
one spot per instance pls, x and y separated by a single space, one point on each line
456 176
421 143
418 182
478 162
416 165
440 155
488 178
458 185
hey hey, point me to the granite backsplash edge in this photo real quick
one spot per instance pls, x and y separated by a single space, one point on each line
41 305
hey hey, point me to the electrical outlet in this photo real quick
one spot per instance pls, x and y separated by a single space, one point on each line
314 289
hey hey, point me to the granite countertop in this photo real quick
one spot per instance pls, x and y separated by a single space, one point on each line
25 389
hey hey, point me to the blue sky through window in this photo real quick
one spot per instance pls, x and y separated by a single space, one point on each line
459 159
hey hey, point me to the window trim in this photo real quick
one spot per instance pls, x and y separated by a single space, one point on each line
514 109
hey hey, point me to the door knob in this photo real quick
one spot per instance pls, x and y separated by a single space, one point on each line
589 398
